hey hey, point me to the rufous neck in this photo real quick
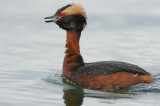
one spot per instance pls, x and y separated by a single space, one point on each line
73 58
72 42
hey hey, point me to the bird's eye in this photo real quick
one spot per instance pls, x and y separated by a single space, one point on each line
63 14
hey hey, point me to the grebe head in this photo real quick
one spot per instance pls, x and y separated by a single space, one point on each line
69 17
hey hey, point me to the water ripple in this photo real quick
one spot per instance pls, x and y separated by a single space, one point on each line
57 79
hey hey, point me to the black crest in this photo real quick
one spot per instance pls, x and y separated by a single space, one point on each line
61 9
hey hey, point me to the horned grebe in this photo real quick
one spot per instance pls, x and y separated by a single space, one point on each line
105 75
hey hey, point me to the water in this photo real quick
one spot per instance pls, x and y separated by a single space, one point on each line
31 51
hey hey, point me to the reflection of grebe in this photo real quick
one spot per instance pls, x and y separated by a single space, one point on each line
72 96
104 75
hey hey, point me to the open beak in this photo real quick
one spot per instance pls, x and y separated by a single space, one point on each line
52 18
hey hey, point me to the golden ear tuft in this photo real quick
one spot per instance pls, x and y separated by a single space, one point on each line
74 9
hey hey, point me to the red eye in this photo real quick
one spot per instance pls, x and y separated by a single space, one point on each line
63 15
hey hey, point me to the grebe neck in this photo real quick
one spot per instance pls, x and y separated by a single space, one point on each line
73 58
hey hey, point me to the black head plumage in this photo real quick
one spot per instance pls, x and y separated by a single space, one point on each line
72 22
69 17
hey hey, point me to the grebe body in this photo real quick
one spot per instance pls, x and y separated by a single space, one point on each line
105 75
